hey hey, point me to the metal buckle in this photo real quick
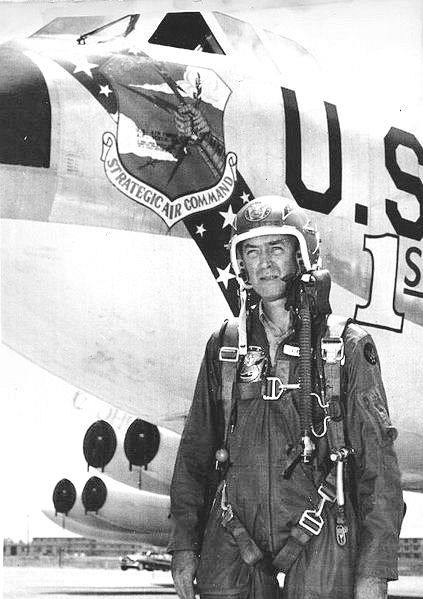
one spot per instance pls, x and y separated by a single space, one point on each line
229 354
312 520
272 382
333 350
326 495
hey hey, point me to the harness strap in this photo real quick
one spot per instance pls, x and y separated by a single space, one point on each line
333 355
311 521
250 553
228 357
292 549
309 525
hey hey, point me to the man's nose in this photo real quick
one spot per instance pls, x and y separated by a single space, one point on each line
265 258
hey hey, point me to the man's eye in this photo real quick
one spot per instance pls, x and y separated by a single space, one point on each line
277 249
251 253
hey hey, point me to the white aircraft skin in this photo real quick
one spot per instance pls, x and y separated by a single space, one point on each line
124 507
86 411
112 293
88 525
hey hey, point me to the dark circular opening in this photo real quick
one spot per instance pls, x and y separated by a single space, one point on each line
64 496
99 444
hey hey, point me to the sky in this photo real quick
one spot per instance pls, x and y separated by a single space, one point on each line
368 46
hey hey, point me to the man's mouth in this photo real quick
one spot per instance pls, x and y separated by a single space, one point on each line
269 277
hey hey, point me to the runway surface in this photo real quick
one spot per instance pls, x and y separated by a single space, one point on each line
78 583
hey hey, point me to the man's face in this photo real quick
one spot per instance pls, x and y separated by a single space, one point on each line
267 259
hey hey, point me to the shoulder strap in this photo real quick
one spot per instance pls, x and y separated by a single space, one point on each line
333 354
333 363
337 325
228 357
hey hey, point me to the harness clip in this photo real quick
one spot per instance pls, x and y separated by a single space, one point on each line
312 520
341 534
333 350
275 387
228 354
227 515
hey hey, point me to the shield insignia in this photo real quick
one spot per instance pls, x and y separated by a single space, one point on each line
168 152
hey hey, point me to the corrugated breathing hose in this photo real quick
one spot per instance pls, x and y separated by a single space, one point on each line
305 378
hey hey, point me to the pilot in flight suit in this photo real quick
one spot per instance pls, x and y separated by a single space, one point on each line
248 485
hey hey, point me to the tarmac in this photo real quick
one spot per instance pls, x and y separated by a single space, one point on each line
77 583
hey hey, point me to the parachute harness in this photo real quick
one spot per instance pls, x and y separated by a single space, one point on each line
308 298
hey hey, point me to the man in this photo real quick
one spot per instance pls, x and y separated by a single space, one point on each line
290 414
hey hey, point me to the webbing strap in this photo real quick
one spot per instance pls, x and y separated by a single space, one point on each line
248 548
228 339
336 435
309 525
332 370
332 364
228 378
291 549
298 538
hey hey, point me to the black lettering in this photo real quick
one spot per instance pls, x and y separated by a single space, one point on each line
133 187
140 192
168 208
126 184
202 200
404 181
307 198
413 266
116 168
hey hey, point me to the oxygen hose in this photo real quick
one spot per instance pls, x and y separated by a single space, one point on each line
305 377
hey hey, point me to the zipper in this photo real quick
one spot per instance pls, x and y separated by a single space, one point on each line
286 432
269 453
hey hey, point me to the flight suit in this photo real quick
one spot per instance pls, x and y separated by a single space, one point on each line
266 500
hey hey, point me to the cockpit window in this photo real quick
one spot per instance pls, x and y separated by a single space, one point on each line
92 28
242 36
186 30
300 70
70 25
